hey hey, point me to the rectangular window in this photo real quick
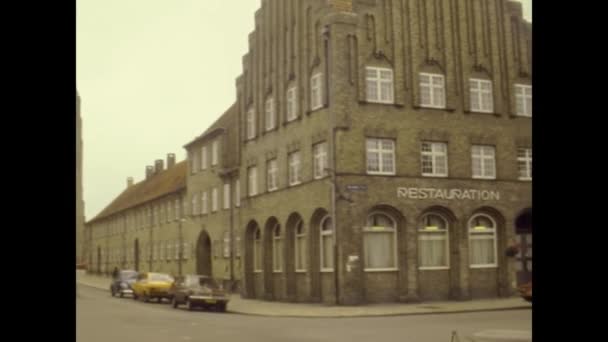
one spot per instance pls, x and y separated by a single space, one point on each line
214 200
484 164
432 92
292 104
215 147
177 209
204 202
379 85
237 193
316 91
252 184
380 156
195 210
481 96
169 212
237 246
270 117
523 100
251 124
272 170
176 254
185 251
226 244
524 163
204 158
434 159
194 162
295 176
227 196
320 160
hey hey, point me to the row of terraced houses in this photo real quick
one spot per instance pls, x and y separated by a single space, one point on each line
377 151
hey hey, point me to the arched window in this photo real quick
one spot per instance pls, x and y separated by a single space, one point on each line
380 243
277 250
257 250
300 246
433 243
482 241
327 245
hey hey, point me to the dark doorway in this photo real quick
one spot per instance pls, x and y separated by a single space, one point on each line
203 254
136 254
523 230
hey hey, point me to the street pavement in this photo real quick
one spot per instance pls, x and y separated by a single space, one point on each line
102 318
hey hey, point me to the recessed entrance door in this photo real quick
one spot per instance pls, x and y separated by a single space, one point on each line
523 229
203 254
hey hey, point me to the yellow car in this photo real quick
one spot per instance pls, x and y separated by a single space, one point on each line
152 285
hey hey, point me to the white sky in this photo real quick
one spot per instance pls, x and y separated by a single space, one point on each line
152 75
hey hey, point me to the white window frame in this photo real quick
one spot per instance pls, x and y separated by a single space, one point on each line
484 156
258 257
205 203
526 159
523 93
372 230
252 184
292 105
378 82
204 158
295 168
237 193
381 155
320 160
432 89
272 172
324 233
226 244
316 91
226 196
424 236
471 232
269 114
277 249
434 154
214 200
477 92
251 124
215 150
300 236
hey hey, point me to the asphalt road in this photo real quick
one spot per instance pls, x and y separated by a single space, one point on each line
101 318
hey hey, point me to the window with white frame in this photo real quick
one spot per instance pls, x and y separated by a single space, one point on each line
195 205
252 184
194 162
292 105
434 159
316 91
272 170
300 247
380 242
204 158
257 250
269 117
277 249
481 95
524 163
205 203
523 100
327 244
237 193
177 209
379 84
251 124
227 196
214 200
433 242
320 160
432 90
237 246
484 164
380 156
215 150
226 244
482 241
295 174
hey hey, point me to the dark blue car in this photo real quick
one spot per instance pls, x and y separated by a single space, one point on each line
121 284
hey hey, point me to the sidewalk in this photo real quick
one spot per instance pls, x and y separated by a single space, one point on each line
279 309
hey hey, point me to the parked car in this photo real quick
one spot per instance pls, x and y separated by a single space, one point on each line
151 285
122 284
199 291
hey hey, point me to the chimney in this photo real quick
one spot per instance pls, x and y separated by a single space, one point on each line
158 166
170 160
149 171
129 182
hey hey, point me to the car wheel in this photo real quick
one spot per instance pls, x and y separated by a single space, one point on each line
174 303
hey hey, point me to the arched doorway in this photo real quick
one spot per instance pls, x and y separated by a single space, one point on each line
203 254
523 231
136 254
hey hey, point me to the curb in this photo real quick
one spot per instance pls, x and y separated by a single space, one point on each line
441 312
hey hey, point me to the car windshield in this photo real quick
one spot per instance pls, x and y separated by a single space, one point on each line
160 277
127 275
202 281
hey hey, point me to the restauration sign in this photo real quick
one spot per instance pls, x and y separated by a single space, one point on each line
449 194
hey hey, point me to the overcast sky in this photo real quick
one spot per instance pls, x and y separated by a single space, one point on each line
152 75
